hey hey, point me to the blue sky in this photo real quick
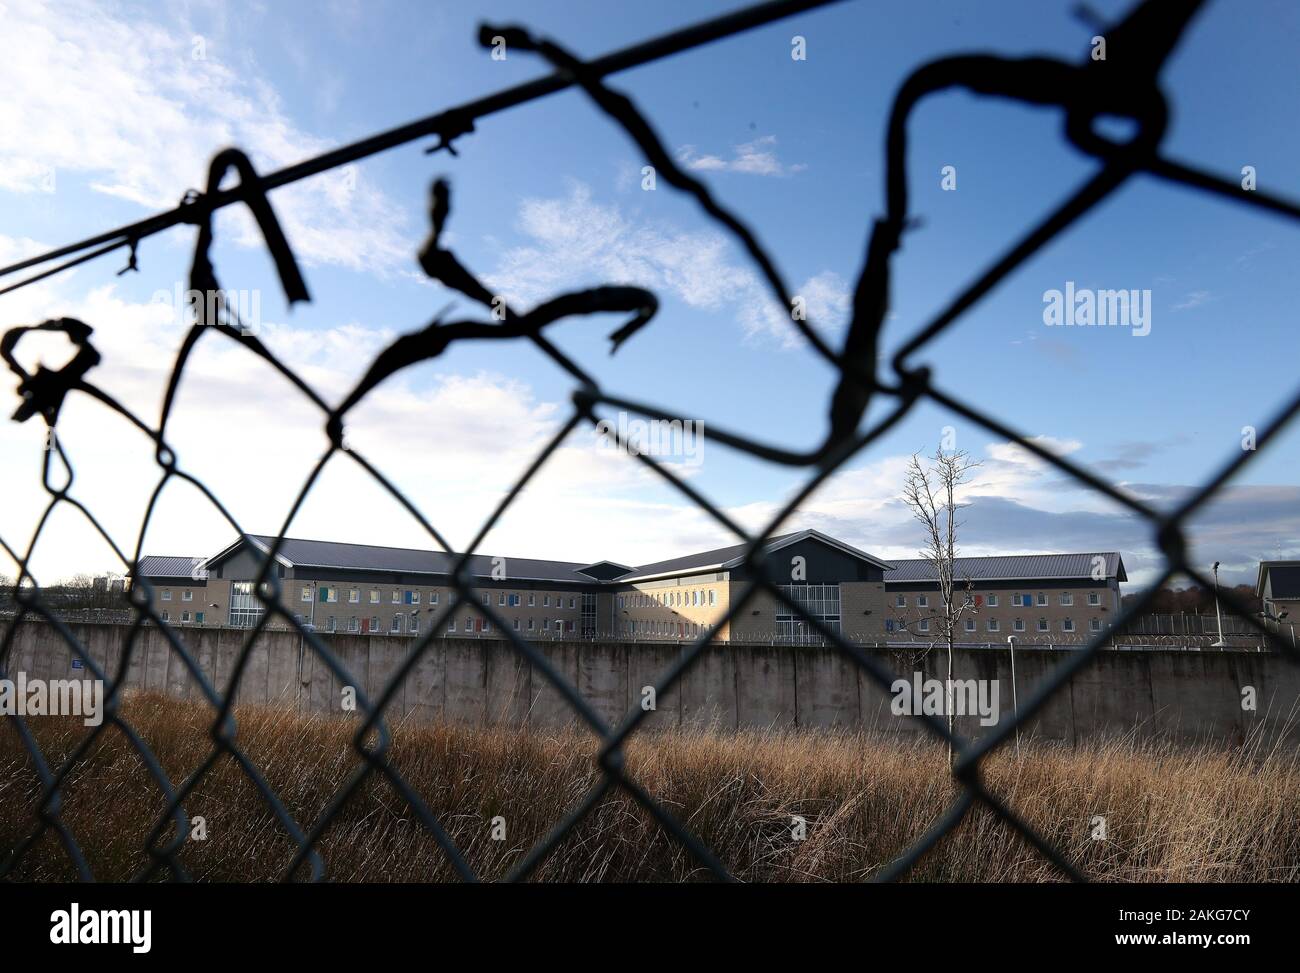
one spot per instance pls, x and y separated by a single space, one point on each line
114 118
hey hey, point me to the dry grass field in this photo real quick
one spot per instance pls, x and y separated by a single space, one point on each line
1172 814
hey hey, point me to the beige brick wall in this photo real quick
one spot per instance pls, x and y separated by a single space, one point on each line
994 622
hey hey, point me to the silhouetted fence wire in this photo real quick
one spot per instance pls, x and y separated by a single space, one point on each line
1125 84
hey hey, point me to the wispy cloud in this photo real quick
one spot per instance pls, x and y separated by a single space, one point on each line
576 241
143 127
1192 299
756 158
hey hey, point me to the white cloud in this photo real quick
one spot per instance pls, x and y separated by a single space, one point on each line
756 158
575 241
131 110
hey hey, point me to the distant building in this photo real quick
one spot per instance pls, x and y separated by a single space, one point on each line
1278 586
1037 597
364 589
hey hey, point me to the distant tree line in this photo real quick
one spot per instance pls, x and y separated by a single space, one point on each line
1195 600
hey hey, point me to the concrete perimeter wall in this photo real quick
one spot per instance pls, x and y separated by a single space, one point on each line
1181 695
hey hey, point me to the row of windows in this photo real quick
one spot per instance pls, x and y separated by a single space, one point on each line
656 628
399 596
410 624
1018 625
1018 600
185 595
694 598
197 617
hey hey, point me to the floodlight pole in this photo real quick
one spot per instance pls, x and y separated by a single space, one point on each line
1218 614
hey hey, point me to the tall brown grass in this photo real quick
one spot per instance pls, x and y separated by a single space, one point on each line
1172 814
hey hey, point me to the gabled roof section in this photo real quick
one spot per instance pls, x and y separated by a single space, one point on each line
1029 567
300 553
726 558
605 570
1283 577
164 566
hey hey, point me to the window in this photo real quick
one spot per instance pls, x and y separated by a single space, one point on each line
922 601
330 595
1019 625
167 595
166 616
546 624
573 602
713 597
530 624
620 601
415 598
185 616
1094 624
487 599
546 601
415 624
993 601
1094 598
374 623
924 626
993 624
354 624
187 596
469 623
354 596
532 600
501 598
1042 598
516 622
1015 600
970 624
397 623
329 624
451 624
1067 598
198 617
433 597
900 601
1042 625
1067 625
374 596
397 597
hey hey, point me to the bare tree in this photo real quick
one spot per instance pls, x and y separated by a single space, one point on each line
931 493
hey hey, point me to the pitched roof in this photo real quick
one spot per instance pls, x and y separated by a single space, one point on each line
1012 567
1283 576
298 552
724 558
162 566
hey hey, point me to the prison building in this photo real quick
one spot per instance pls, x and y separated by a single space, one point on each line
1036 597
360 588
1278 586
179 587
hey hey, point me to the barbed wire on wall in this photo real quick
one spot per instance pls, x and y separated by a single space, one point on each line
1125 84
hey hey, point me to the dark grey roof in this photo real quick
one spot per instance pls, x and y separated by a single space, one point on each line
1012 567
367 557
161 566
1284 578
704 559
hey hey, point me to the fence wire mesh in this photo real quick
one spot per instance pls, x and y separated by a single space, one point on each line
1125 84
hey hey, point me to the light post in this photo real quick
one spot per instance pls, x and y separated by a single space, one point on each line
1218 614
1015 705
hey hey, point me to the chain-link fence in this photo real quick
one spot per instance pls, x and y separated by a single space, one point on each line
1124 84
